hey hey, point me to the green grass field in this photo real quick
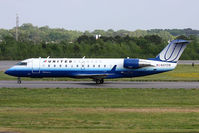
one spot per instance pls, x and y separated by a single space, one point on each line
181 73
103 110
99 110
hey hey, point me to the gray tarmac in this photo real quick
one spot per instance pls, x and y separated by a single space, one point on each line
4 65
91 84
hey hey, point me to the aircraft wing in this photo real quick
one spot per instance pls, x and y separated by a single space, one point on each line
93 76
97 75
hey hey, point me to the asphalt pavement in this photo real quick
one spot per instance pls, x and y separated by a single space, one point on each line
91 84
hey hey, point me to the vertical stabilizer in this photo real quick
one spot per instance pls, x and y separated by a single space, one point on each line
172 52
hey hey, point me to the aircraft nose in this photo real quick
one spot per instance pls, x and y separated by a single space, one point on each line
9 72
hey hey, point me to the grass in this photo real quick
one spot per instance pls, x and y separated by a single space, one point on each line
99 110
181 73
107 98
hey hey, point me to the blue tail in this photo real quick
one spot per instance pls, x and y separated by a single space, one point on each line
172 52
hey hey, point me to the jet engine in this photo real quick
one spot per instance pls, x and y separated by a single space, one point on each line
136 63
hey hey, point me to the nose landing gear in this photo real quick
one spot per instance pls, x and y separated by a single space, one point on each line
19 80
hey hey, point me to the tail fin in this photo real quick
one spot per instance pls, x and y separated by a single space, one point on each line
173 51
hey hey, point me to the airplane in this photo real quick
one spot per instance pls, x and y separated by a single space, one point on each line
99 69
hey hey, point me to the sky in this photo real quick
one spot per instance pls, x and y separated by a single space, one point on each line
89 15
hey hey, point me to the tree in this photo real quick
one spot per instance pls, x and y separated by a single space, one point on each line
182 37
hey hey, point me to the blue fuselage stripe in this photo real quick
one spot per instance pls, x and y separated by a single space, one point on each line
119 73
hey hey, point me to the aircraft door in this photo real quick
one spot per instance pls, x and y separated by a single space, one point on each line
36 65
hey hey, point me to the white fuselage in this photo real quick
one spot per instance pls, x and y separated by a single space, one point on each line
88 68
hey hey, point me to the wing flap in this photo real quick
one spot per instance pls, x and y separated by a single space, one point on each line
93 76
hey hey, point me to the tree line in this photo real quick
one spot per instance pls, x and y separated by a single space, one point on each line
147 46
29 32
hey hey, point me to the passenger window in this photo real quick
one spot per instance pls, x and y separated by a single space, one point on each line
65 61
82 65
53 61
93 65
70 61
61 61
65 65
57 61
49 61
88 65
104 65
48 65
77 65
59 65
54 65
98 65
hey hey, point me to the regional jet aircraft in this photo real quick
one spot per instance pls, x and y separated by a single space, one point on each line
100 69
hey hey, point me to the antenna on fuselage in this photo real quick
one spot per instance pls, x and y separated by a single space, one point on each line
84 57
48 57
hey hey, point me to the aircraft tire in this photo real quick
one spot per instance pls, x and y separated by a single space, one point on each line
98 81
101 81
19 80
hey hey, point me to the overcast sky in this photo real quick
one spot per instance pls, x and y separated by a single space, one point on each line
101 14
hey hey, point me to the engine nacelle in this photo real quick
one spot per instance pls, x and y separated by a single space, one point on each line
136 63
131 63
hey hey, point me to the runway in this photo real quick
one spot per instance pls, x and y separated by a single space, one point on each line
91 84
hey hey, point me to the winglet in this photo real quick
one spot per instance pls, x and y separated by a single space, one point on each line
114 68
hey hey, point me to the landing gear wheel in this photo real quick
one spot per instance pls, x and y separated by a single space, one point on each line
99 81
19 80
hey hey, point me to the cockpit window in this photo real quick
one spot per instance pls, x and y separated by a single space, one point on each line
22 63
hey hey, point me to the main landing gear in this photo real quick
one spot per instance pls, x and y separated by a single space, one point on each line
19 80
99 81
